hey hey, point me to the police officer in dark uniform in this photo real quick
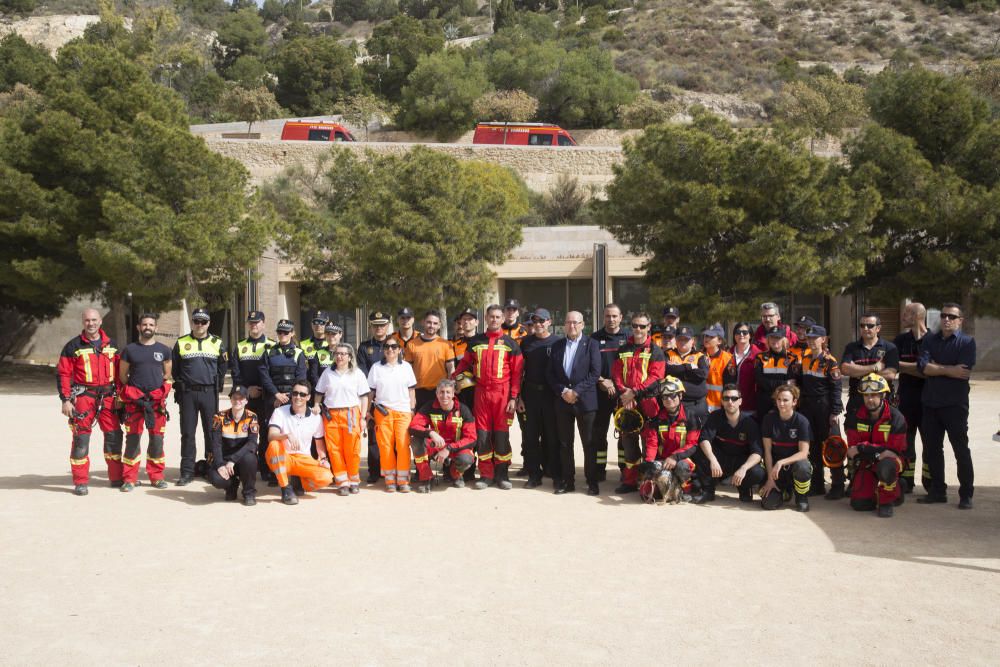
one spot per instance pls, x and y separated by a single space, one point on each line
323 358
199 368
371 352
869 354
610 338
282 365
245 368
317 341
537 403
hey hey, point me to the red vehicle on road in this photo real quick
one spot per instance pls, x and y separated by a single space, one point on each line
307 130
522 134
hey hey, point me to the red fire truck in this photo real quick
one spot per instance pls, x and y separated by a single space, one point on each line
522 134
314 130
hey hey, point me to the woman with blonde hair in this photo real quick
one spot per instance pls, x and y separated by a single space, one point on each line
394 385
342 397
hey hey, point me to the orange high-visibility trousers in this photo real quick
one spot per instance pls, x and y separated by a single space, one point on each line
393 434
342 437
309 470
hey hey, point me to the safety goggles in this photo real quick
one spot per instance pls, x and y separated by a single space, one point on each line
871 387
671 397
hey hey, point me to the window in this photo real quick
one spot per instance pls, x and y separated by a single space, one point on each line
565 141
539 139
319 135
558 296
340 136
632 296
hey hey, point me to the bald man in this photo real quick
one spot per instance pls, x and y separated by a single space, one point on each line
911 385
85 379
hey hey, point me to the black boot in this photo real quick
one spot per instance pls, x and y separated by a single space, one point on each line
288 496
802 502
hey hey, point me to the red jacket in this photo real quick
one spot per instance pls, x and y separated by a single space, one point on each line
87 363
457 427
639 367
745 378
665 436
495 360
760 337
887 430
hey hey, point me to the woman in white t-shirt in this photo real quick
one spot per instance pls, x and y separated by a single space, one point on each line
343 392
394 385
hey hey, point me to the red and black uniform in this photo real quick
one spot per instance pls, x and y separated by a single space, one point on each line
87 375
875 481
667 435
819 400
496 362
785 437
770 371
911 405
855 352
145 399
458 428
692 369
731 446
637 367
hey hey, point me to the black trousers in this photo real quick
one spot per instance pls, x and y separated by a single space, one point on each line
913 412
246 472
565 419
424 396
195 404
256 406
730 463
602 423
374 463
540 441
467 397
817 411
953 421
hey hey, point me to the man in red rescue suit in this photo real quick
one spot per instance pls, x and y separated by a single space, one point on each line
670 439
640 364
85 379
145 375
876 439
496 362
445 430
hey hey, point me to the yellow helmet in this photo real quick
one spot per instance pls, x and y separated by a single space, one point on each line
873 383
671 385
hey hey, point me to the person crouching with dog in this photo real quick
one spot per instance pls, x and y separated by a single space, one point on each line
670 439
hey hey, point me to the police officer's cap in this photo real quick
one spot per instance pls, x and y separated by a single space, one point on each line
685 332
378 317
239 389
333 328
671 311
201 315
669 331
776 332
285 326
405 312
320 317
805 321
468 311
255 316
512 303
816 331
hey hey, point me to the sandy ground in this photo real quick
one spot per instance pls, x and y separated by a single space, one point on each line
465 577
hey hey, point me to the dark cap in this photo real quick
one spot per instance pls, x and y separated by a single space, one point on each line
805 321
542 314
669 331
378 317
255 316
201 314
777 331
714 331
320 317
239 389
333 328
285 326
468 311
815 331
511 303
684 332
405 312
671 311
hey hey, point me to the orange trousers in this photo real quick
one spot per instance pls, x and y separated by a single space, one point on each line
342 437
283 465
393 434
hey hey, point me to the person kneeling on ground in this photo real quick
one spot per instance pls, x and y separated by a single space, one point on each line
235 433
786 435
876 438
670 438
293 428
445 430
730 447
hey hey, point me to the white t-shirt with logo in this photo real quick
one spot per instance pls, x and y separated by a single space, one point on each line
392 384
342 390
301 429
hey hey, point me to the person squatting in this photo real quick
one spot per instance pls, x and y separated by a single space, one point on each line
762 414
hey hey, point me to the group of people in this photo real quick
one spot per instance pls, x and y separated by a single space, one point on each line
689 411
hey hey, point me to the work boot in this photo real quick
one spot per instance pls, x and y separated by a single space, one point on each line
626 488
423 487
836 492
127 487
404 488
802 502
184 480
505 485
521 472
344 491
885 511
288 496
458 483
533 483
965 503
706 496
746 495
483 483
249 500
354 489
372 478
158 483
297 486
81 489
932 499
116 483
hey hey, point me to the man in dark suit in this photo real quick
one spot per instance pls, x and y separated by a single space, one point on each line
573 371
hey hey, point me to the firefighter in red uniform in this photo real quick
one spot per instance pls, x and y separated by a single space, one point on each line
444 430
85 378
640 365
876 439
670 439
496 362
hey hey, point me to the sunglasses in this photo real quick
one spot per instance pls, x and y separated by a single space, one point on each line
300 394
319 322
200 323
731 399
536 321
950 316
866 325
392 347
640 326
742 332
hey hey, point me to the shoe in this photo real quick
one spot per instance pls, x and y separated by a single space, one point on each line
184 480
931 499
81 489
505 485
593 490
746 495
965 503
885 511
565 488
404 488
533 483
288 496
156 483
816 490
703 497
458 483
835 493
297 487
521 472
250 500
482 483
354 489
626 488
424 487
127 487
116 483
390 488
344 491
372 479
802 503
231 493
